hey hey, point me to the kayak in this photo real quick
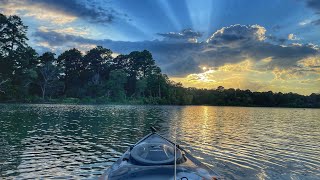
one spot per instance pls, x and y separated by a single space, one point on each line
157 158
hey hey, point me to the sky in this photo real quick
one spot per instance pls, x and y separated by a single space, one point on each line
258 45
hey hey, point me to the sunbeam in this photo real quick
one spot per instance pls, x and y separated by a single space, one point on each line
200 12
168 11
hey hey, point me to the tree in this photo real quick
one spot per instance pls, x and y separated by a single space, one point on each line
48 74
116 83
140 65
220 88
71 63
24 71
141 86
12 60
2 84
13 34
97 66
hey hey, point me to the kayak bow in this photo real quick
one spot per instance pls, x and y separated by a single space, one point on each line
153 157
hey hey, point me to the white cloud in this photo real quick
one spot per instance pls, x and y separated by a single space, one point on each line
293 37
305 22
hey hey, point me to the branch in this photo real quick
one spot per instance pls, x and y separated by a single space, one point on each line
1 83
4 81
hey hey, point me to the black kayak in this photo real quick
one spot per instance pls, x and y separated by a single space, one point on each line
153 157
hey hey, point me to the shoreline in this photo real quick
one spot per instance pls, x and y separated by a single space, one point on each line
145 104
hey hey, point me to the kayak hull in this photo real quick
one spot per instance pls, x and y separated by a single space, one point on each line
150 158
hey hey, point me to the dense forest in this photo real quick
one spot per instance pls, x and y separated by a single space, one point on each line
98 77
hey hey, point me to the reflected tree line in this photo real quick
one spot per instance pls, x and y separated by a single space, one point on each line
98 77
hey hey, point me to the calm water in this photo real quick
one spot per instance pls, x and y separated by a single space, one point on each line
70 141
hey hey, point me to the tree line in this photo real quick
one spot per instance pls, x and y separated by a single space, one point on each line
98 77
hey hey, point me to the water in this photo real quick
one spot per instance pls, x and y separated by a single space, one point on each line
71 141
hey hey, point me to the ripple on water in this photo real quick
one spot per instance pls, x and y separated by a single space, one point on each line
72 141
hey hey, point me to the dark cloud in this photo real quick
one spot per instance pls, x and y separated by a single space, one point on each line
175 58
316 22
237 35
235 43
83 9
183 66
186 34
231 44
60 39
276 39
283 57
315 5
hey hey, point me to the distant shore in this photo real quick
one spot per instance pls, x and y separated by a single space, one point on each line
75 101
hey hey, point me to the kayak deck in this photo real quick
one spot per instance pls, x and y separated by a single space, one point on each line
153 157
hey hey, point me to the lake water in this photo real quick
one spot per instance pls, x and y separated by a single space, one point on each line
80 141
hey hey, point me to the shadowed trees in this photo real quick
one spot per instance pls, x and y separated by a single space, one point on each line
116 83
48 75
17 59
96 68
71 63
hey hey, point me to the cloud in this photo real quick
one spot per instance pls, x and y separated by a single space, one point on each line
293 37
175 58
65 30
236 43
23 8
315 5
275 39
244 75
54 38
227 77
81 9
305 22
61 11
310 63
186 34
316 22
237 34
227 46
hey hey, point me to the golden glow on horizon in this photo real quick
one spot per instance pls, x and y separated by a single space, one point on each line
248 75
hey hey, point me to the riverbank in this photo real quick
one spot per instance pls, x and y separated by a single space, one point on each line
135 101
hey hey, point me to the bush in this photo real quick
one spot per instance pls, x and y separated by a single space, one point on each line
33 99
71 100
102 100
88 100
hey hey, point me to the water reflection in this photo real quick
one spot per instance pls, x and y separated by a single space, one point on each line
69 141
254 143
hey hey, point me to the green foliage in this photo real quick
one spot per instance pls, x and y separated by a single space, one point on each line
17 59
70 100
71 63
116 83
48 75
103 100
96 68
97 77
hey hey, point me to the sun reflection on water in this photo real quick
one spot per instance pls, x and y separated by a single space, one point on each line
68 141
